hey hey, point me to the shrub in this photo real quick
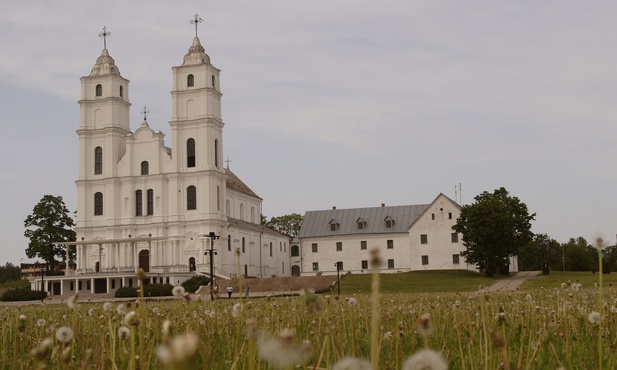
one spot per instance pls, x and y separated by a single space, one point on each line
22 294
126 292
192 284
158 290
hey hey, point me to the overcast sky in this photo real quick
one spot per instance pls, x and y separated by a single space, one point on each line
346 103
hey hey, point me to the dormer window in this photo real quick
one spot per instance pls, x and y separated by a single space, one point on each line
190 81
389 222
361 223
99 90
334 225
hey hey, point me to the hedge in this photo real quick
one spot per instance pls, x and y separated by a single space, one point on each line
22 294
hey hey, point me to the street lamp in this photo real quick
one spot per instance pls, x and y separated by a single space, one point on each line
212 237
338 276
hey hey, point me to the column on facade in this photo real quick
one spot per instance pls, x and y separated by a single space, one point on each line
134 251
117 257
92 284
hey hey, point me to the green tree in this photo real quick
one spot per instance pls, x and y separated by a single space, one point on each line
287 224
9 272
50 222
542 253
494 228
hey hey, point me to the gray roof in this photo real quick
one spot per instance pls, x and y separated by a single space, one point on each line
317 223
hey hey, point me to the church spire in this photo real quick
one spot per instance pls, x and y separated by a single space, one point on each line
197 54
105 64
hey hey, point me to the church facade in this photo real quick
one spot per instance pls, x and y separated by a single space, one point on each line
141 204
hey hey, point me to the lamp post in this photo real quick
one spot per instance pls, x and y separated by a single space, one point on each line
42 283
212 237
338 277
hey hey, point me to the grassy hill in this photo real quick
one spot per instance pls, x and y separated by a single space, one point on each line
416 282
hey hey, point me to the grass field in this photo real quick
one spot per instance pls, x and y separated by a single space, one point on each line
555 278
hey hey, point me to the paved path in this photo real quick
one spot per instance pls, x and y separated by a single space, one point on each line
512 282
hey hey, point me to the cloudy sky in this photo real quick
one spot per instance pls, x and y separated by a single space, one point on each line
346 103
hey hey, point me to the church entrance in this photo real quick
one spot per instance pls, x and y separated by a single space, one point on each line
295 270
192 266
144 260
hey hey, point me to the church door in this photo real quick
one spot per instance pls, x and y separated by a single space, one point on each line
144 260
295 270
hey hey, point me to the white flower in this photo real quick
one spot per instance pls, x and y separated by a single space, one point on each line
426 359
121 309
71 302
155 310
352 302
528 297
123 332
131 319
91 312
40 322
178 291
594 318
425 326
64 334
179 350
235 311
352 363
107 306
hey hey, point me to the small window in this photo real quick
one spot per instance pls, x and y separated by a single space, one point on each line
218 198
454 237
190 81
339 265
339 246
243 245
295 251
449 215
88 283
71 285
191 198
138 203
145 168
113 283
390 244
424 260
99 90
150 204
333 225
280 246
432 216
79 287
314 247
98 204
455 259
315 266
363 245
364 264
121 91
389 222
361 224
270 249
423 239
391 263
213 82
98 160
229 243
216 153
190 152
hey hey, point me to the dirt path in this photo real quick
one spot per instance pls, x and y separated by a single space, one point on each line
513 282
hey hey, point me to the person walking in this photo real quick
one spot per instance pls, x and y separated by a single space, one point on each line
246 292
229 291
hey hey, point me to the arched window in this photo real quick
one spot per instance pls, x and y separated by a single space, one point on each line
190 81
191 197
150 208
98 160
121 90
138 203
145 168
218 198
190 152
295 251
99 90
98 204
216 153
192 266
213 82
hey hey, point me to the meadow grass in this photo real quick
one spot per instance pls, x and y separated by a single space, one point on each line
538 328
555 278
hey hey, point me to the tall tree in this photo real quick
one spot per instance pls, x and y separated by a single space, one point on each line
287 224
50 222
493 229
542 253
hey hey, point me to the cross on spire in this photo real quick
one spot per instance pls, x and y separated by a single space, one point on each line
104 35
227 161
145 112
196 20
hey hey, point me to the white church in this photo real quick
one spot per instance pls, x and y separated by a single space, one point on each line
142 204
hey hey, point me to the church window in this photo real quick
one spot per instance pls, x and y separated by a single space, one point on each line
98 204
98 160
138 203
295 251
191 197
150 207
270 249
218 198
190 81
121 90
229 243
213 82
145 168
216 153
243 245
99 90
190 152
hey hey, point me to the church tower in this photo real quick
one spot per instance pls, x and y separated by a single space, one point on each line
104 125
197 136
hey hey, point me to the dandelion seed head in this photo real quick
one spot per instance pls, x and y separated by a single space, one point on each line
40 322
178 291
64 334
131 319
72 301
235 311
425 326
121 309
123 333
426 359
279 352
352 302
43 349
594 318
352 363
107 306
180 350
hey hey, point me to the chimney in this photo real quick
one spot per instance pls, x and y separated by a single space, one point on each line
334 208
383 205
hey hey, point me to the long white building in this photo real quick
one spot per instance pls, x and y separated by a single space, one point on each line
141 204
411 237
